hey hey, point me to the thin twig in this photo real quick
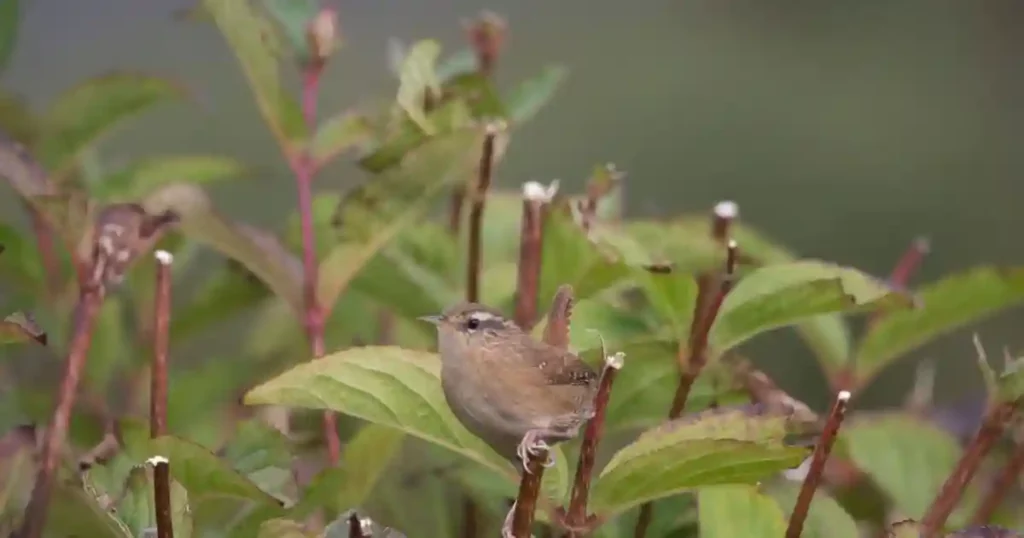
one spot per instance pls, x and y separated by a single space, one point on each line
529 491
577 520
536 198
476 214
1000 487
991 430
705 309
158 391
36 514
696 357
905 268
821 452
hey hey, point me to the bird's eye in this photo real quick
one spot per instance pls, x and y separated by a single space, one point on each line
473 324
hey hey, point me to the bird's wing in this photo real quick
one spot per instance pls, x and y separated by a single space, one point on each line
566 368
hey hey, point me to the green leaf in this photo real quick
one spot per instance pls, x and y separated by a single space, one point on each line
946 305
394 387
687 243
782 294
9 20
716 447
569 257
263 455
338 134
529 97
733 511
1010 383
16 115
643 391
908 458
19 328
20 268
17 471
259 251
825 519
407 136
673 296
76 512
367 455
294 16
137 508
283 528
252 38
111 344
229 291
203 473
22 171
145 176
82 115
417 79
371 215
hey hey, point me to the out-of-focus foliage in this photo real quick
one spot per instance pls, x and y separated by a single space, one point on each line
383 259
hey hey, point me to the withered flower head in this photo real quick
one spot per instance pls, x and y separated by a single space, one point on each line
120 233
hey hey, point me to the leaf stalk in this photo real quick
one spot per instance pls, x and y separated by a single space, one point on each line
818 460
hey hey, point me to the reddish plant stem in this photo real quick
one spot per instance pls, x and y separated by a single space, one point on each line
1000 487
949 494
577 520
531 247
476 215
529 490
78 350
158 391
905 268
304 169
698 342
692 354
821 452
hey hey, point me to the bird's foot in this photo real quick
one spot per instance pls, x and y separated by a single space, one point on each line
533 444
506 527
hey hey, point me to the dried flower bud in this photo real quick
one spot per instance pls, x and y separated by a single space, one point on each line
121 232
322 34
486 34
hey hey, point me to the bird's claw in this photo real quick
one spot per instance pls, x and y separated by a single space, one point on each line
506 527
533 445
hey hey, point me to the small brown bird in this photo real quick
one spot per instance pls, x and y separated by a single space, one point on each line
518 394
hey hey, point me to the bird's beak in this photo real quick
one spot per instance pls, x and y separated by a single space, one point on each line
434 320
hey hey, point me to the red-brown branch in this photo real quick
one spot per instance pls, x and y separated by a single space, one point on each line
158 391
476 215
821 452
1000 487
531 247
529 491
78 351
576 519
692 354
991 430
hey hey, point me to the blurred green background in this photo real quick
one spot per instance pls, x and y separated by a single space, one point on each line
843 129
